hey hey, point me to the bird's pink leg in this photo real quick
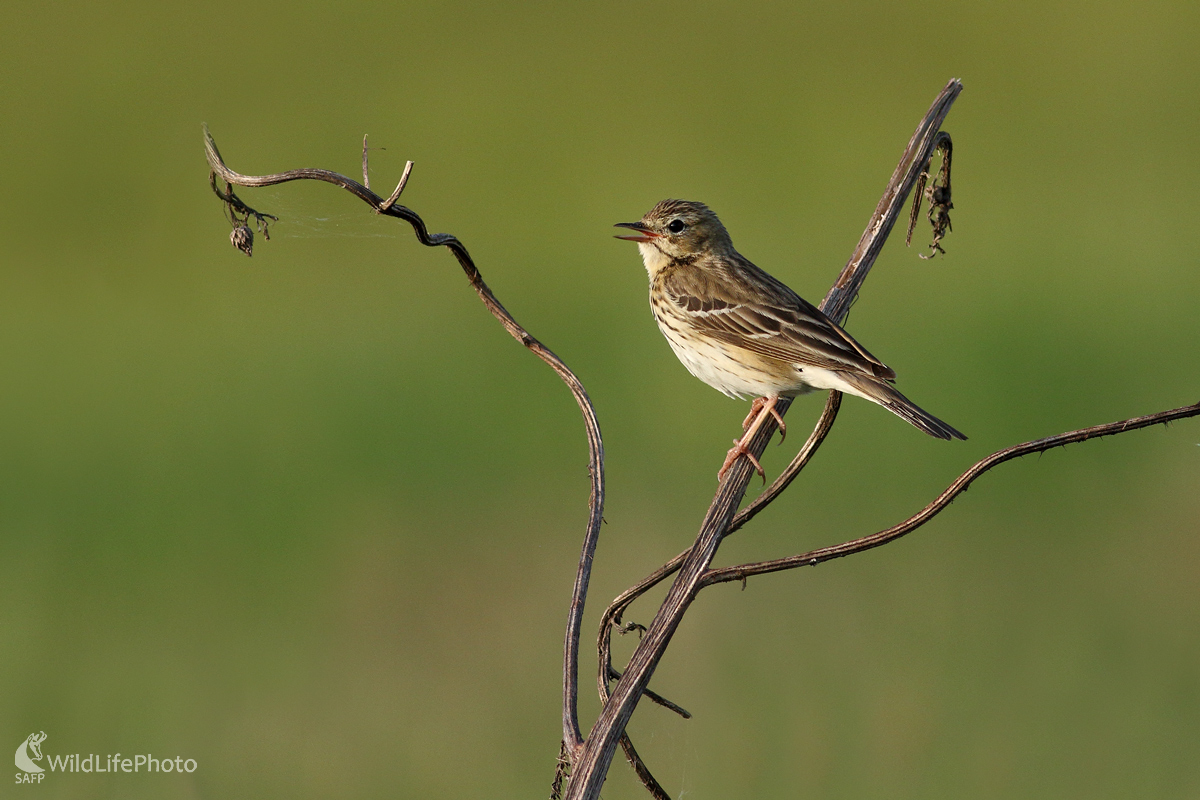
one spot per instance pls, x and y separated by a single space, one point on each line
766 408
756 407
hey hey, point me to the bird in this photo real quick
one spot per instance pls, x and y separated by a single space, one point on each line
745 333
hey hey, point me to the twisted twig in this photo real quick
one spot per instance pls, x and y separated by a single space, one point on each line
389 207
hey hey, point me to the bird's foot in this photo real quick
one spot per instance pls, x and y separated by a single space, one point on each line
739 449
762 408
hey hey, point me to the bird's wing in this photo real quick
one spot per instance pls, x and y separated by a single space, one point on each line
765 317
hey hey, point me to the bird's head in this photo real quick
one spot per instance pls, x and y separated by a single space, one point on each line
677 230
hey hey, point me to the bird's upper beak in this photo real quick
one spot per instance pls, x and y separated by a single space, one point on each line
647 235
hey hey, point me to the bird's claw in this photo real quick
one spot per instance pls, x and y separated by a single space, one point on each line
739 449
779 421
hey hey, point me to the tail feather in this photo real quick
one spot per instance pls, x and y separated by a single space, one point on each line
887 396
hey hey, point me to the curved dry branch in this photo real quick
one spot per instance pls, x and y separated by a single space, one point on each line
743 571
594 758
570 717
639 767
612 615
611 618
815 440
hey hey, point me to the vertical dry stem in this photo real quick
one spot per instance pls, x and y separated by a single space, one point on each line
591 767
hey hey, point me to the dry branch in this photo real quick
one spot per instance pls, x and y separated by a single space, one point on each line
811 559
592 765
583 763
389 207
913 170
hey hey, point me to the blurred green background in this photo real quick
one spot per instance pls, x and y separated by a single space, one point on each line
312 518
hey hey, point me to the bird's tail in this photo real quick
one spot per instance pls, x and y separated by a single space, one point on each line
887 396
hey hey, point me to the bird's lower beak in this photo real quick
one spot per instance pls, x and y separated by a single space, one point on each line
647 235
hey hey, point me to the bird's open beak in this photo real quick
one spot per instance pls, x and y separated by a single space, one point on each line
647 235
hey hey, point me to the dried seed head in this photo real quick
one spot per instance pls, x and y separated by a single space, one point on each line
243 239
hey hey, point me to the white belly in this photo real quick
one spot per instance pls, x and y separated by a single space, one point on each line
740 374
730 370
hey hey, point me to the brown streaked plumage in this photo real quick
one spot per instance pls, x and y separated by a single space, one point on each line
746 334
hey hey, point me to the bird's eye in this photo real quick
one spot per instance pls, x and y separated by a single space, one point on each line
676 226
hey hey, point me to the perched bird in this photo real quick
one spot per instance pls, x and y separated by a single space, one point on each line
746 334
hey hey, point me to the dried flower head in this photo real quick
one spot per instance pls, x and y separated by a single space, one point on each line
243 239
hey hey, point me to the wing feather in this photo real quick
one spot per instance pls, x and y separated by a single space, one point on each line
768 319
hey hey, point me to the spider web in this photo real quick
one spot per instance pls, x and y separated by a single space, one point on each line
314 215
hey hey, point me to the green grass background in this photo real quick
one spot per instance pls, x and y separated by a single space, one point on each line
312 518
